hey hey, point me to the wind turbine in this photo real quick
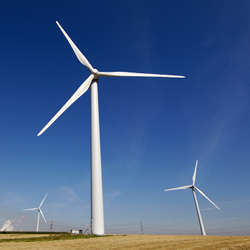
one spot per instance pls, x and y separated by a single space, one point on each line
195 188
39 211
97 217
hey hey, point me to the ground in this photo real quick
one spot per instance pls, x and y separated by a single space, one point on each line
131 242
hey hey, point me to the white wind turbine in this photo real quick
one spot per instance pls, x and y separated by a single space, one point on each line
193 188
39 211
97 217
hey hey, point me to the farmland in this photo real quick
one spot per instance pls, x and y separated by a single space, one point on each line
25 241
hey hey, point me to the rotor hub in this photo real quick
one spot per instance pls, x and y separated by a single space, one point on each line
95 73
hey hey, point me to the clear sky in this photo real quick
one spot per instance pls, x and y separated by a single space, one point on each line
152 130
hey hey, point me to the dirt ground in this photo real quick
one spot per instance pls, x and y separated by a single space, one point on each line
134 242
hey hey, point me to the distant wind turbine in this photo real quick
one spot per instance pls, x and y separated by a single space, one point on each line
39 211
97 215
193 188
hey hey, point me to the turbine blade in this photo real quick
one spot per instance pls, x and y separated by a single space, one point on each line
206 197
195 170
30 209
80 91
43 200
131 74
43 216
177 188
77 52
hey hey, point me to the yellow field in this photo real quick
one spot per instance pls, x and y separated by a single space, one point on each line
17 236
137 242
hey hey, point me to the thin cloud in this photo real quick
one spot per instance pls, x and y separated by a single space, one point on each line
114 194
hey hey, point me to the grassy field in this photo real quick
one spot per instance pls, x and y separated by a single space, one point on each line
17 236
132 242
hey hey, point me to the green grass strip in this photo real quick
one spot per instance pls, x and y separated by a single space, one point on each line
53 237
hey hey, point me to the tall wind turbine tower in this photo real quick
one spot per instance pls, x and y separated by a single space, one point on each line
97 214
194 188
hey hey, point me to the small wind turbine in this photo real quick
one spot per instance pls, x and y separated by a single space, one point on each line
97 217
193 188
39 211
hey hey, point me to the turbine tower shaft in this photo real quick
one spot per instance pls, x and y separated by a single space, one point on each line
97 214
202 228
38 220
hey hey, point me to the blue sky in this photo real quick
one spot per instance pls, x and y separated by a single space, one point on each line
152 130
